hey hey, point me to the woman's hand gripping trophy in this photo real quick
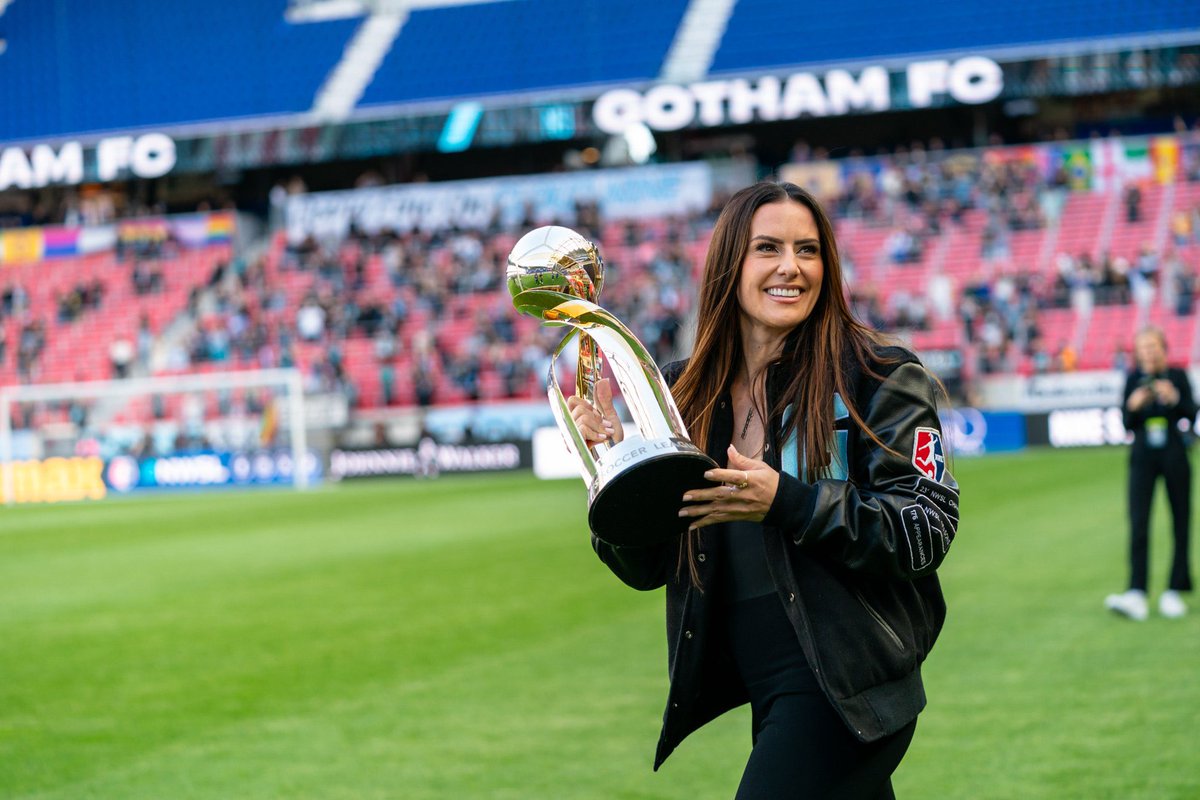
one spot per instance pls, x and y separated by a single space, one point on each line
598 423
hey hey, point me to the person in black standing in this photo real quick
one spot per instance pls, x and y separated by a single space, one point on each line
1157 399
807 582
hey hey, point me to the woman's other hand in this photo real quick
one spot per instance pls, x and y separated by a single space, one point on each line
746 492
599 422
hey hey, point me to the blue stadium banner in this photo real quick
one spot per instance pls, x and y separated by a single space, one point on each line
207 470
972 432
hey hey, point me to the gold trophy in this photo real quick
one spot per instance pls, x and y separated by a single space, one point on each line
634 487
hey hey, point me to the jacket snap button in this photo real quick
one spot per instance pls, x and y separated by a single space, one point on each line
687 634
674 705
700 557
791 597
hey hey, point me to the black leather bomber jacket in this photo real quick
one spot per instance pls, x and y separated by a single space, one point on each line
853 560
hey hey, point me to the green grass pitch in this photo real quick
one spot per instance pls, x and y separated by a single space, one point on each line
458 639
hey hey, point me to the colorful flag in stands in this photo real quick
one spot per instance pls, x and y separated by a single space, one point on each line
220 227
144 230
1118 161
21 246
200 230
61 241
1164 152
1078 163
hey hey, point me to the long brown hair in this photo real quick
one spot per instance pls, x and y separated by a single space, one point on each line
814 355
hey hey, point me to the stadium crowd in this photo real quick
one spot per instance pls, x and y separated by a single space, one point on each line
422 317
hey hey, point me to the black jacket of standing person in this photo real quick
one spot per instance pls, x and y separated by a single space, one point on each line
1135 421
852 558
1157 399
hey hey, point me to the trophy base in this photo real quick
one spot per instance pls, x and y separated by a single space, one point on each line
636 500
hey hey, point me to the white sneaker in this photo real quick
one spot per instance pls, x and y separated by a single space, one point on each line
1171 605
1131 604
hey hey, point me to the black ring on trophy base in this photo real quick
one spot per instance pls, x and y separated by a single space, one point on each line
639 505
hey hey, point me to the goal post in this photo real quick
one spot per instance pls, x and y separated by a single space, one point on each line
288 382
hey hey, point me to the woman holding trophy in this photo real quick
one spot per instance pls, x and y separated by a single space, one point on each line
805 583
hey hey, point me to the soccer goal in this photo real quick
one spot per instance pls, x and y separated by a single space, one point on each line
88 440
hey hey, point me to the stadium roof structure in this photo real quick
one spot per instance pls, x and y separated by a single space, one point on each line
186 65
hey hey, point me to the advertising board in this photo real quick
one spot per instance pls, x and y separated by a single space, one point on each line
126 474
429 459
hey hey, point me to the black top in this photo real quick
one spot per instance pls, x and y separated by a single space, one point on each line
1156 425
744 573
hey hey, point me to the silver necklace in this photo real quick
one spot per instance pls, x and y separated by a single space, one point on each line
746 424
750 398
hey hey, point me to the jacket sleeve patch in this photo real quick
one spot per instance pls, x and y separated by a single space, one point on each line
942 528
917 531
929 457
945 497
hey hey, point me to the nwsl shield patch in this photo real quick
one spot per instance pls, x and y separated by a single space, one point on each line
928 455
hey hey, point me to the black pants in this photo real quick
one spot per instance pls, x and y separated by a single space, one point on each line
1146 465
802 748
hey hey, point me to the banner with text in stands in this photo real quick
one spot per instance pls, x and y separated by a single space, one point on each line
650 191
1052 391
1059 390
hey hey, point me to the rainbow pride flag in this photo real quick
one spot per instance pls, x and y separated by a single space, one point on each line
221 225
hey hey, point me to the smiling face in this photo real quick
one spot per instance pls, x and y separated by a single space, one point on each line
782 271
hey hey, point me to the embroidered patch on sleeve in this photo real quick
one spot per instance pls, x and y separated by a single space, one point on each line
937 523
945 496
928 455
920 537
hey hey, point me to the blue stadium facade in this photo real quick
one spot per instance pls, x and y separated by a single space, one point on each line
76 68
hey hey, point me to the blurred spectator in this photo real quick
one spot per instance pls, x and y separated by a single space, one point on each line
907 311
121 354
1113 284
423 386
1067 359
1040 358
145 342
1133 203
1120 360
310 320
387 382
1185 290
993 359
1181 228
146 279
30 345
940 290
903 247
864 303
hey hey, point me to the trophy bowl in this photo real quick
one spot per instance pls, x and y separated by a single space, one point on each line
634 486
557 259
